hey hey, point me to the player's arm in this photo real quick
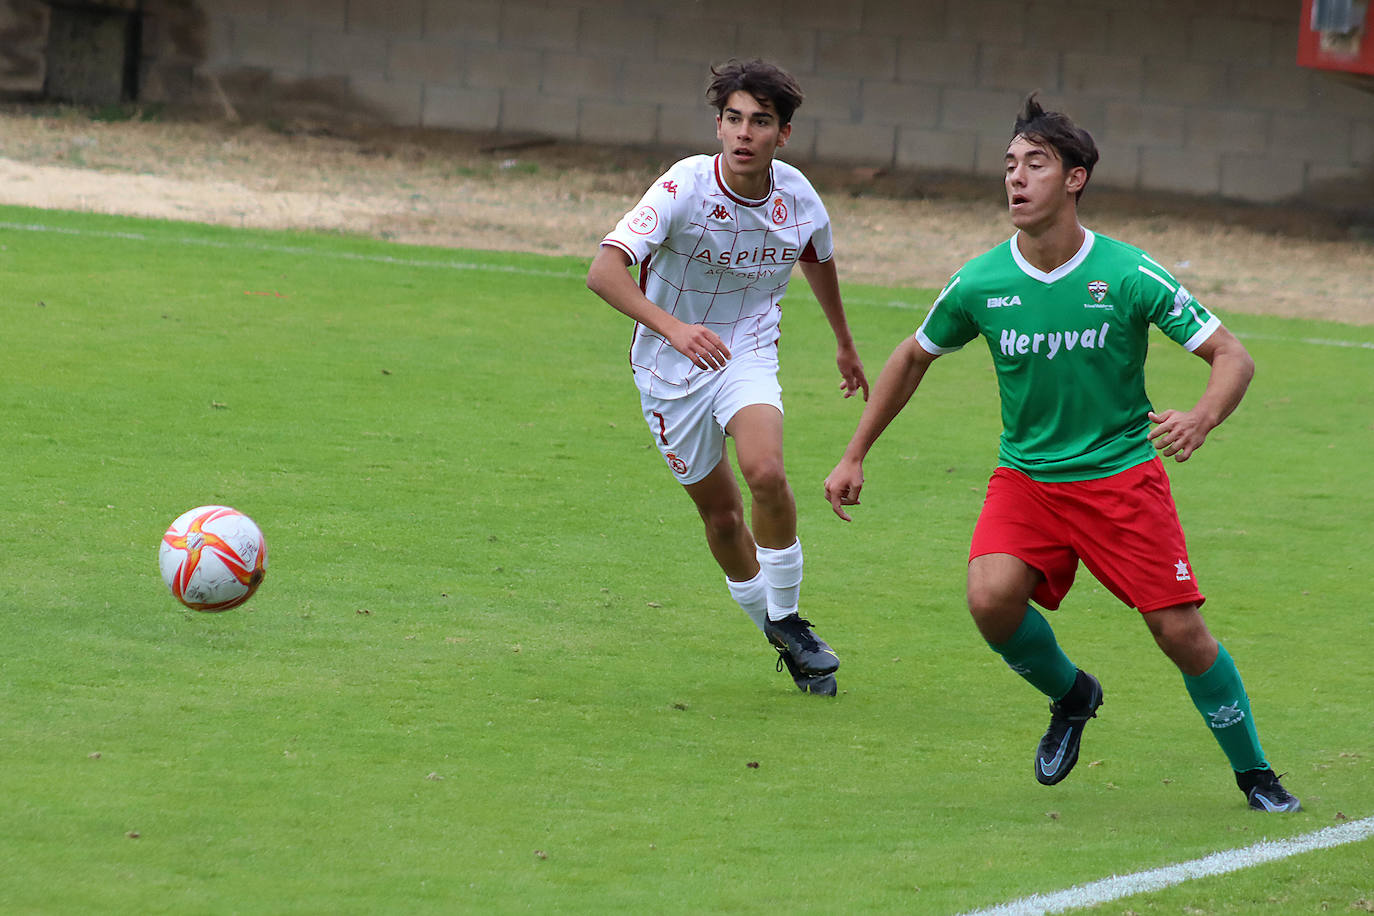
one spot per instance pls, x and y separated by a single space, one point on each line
825 285
896 384
1182 432
609 277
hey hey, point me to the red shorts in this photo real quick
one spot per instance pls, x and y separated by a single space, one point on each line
1124 528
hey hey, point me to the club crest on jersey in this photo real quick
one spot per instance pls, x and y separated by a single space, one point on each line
779 211
1098 290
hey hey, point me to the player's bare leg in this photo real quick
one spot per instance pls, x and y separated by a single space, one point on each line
999 592
999 589
1181 634
721 507
757 430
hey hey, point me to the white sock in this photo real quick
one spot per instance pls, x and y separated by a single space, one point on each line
752 596
782 570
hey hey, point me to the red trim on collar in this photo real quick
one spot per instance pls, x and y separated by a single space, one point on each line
744 201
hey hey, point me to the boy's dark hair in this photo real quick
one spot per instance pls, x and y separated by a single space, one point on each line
1074 145
764 81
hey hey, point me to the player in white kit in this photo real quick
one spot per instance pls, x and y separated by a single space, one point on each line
715 239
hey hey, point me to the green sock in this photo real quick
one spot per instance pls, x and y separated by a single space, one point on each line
1220 696
1034 653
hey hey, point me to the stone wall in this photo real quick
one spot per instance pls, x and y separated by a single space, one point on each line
1199 98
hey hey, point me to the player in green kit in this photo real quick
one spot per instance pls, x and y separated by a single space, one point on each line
1066 315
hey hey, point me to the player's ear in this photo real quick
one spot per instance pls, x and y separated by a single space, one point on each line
784 133
1076 179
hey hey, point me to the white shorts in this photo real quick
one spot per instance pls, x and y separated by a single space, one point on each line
690 431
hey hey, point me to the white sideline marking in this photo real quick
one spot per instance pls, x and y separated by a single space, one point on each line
297 250
507 269
1315 341
1218 863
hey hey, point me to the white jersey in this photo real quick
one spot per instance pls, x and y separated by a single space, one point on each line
710 257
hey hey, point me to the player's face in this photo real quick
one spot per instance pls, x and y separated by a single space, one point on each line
1039 189
750 133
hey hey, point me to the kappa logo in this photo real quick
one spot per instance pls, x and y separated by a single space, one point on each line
779 211
1003 302
720 213
1098 290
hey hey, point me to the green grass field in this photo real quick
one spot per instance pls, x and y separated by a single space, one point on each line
493 668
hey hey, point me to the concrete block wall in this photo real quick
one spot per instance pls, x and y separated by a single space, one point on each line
23 41
1199 98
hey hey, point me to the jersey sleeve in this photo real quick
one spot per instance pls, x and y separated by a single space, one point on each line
1171 308
948 325
643 229
821 246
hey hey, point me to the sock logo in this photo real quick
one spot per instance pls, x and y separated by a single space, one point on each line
1226 716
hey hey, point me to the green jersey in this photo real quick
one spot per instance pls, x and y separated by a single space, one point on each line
1069 349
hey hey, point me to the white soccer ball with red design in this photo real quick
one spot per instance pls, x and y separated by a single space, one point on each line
213 558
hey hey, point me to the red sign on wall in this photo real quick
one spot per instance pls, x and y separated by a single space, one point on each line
1336 36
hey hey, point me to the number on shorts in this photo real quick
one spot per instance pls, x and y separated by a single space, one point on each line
662 428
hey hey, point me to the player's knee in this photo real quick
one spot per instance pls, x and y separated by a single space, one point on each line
998 589
1182 635
990 599
723 522
996 609
766 479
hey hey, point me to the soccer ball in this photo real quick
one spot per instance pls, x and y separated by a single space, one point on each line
213 558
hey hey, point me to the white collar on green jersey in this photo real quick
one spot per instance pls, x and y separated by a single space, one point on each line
1060 272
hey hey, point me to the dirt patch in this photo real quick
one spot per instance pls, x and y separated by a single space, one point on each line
472 191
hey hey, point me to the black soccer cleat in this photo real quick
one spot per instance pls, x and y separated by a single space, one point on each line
1058 750
1264 792
792 635
820 684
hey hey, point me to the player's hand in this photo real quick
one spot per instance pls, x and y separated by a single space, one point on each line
843 485
701 345
852 376
1179 433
